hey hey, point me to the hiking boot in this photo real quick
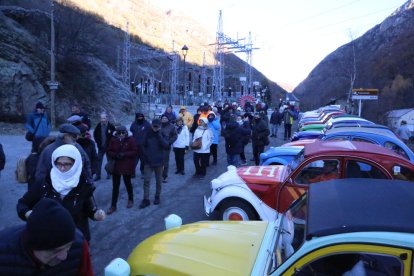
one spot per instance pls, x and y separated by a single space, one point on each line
111 210
144 204
130 204
157 200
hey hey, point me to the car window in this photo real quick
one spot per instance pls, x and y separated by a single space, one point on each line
403 173
397 149
358 169
354 264
337 138
361 139
317 171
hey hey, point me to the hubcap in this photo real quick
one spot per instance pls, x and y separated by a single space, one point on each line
235 213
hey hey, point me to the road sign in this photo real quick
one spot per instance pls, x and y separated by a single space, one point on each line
365 94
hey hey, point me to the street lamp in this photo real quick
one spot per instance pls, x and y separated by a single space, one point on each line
53 84
185 51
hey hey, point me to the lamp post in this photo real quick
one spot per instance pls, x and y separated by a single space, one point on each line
185 51
53 84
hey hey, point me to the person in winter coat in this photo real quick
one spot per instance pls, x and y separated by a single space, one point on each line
2 159
48 244
68 185
170 114
234 144
37 122
153 152
214 125
260 138
168 130
288 121
89 146
180 145
67 135
138 128
123 150
102 135
275 121
187 117
195 121
245 124
201 155
404 132
32 160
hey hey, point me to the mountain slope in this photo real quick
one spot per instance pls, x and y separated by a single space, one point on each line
384 60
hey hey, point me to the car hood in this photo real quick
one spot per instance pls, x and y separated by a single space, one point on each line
208 248
262 174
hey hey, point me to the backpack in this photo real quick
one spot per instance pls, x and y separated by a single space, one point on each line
21 175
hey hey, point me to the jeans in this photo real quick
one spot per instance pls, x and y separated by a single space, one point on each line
147 179
116 182
274 129
179 158
200 163
233 159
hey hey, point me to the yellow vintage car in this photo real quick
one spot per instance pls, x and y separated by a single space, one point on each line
341 227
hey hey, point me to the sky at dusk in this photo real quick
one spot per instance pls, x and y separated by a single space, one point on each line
293 36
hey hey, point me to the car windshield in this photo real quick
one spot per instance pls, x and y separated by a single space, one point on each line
296 161
290 232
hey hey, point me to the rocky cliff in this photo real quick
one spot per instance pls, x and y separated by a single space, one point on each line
384 59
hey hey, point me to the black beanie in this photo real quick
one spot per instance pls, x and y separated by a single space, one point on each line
49 226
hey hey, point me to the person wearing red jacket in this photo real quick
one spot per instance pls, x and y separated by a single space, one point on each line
123 150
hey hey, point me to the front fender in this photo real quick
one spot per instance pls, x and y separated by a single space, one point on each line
277 160
233 191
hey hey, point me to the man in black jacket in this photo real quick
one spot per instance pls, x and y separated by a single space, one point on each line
154 145
260 139
102 135
168 131
234 135
138 128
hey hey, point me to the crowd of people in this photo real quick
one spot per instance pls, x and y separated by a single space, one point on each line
62 169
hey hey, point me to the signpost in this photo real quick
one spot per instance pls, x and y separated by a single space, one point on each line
364 94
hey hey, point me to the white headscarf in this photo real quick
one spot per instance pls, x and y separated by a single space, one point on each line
64 182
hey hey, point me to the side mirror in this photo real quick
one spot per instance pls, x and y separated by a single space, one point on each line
117 267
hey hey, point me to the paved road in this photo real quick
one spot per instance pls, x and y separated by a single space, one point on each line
123 230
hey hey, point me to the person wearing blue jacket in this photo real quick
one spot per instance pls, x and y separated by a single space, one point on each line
37 122
214 125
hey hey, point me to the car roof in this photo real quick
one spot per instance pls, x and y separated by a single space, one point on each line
346 147
359 205
369 130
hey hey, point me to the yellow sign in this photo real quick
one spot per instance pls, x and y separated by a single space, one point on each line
365 94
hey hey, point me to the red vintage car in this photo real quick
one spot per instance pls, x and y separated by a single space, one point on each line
262 192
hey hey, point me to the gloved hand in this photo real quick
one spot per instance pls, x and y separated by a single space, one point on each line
120 156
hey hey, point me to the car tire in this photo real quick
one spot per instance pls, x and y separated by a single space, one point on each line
237 209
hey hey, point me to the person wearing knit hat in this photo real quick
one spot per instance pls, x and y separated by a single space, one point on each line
202 154
48 244
37 123
66 184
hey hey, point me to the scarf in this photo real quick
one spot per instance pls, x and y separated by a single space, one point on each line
64 182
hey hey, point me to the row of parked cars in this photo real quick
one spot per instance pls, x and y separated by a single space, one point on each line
279 218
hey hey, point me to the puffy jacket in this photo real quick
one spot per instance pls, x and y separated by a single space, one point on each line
124 152
260 133
207 139
78 202
183 138
215 127
233 135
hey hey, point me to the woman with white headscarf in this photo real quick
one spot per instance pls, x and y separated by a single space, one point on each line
68 185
